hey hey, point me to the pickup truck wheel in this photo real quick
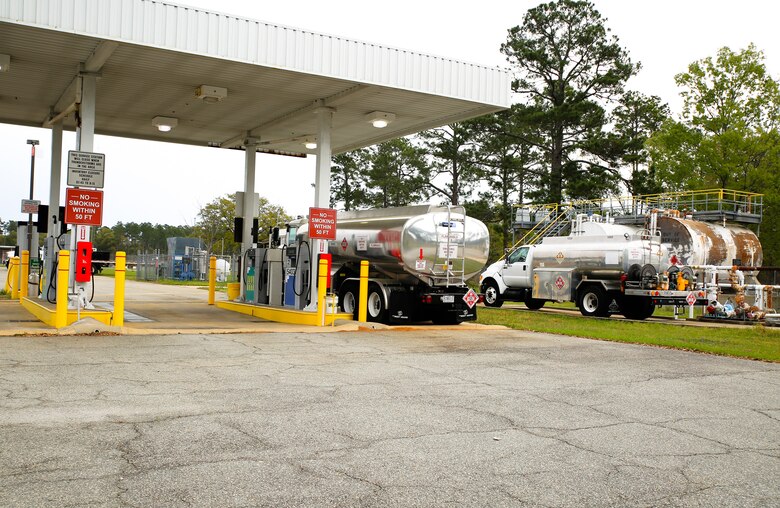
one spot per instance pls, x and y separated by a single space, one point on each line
492 295
593 301
533 303
376 305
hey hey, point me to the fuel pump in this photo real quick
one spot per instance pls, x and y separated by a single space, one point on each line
302 285
289 275
261 275
51 252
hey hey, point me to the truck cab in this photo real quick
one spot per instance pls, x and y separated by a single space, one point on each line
510 279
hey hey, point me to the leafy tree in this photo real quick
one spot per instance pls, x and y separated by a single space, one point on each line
567 65
733 92
728 135
133 237
348 179
216 224
452 151
8 231
509 164
729 131
104 239
397 176
636 118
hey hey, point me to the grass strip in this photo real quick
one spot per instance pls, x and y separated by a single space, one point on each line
754 342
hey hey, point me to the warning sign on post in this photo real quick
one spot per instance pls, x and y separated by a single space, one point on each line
84 206
322 223
86 169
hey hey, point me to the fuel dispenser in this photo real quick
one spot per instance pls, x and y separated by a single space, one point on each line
51 251
278 275
302 281
290 256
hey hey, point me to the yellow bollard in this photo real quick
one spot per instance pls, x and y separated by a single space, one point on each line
13 278
322 283
363 292
119 289
212 279
24 273
63 273
8 277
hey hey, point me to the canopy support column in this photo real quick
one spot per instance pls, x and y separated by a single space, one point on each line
85 142
321 188
55 180
249 204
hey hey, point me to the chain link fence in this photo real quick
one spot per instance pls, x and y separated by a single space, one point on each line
192 266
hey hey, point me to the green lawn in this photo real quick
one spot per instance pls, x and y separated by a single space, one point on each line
755 342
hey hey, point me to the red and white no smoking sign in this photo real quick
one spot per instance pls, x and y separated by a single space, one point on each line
84 206
322 223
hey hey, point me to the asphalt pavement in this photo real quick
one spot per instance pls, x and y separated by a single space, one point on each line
382 418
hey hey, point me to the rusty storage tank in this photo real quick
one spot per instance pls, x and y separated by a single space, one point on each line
693 242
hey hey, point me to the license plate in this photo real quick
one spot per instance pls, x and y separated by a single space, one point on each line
447 299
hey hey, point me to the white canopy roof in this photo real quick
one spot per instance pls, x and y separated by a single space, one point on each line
151 56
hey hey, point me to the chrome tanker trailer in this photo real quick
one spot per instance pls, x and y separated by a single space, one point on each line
636 266
419 260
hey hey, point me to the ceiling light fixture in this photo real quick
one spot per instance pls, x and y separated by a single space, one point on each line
165 123
211 94
5 63
310 143
380 119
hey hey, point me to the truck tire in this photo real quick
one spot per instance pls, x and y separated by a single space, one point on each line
348 299
593 301
376 304
492 294
636 307
533 303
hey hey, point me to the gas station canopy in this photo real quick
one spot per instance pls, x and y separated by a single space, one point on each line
217 80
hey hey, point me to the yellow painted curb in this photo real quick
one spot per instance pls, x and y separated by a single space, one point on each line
48 316
280 315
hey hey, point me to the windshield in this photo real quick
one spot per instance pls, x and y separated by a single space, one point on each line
518 256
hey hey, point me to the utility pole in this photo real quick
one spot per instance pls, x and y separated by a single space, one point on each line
32 143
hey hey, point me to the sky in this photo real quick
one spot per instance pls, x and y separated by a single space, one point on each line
168 184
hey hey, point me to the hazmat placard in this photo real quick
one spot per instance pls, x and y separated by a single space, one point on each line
322 223
84 206
86 169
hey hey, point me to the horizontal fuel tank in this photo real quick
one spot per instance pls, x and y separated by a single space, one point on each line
595 254
409 240
692 242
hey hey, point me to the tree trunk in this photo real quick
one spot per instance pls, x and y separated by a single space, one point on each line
556 165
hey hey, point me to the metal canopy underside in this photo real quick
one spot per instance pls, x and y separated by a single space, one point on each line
276 77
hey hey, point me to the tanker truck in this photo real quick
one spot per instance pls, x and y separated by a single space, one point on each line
419 260
607 268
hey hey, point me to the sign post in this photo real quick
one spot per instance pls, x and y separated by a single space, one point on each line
322 228
33 253
691 299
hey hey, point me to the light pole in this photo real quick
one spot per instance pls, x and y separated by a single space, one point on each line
32 143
